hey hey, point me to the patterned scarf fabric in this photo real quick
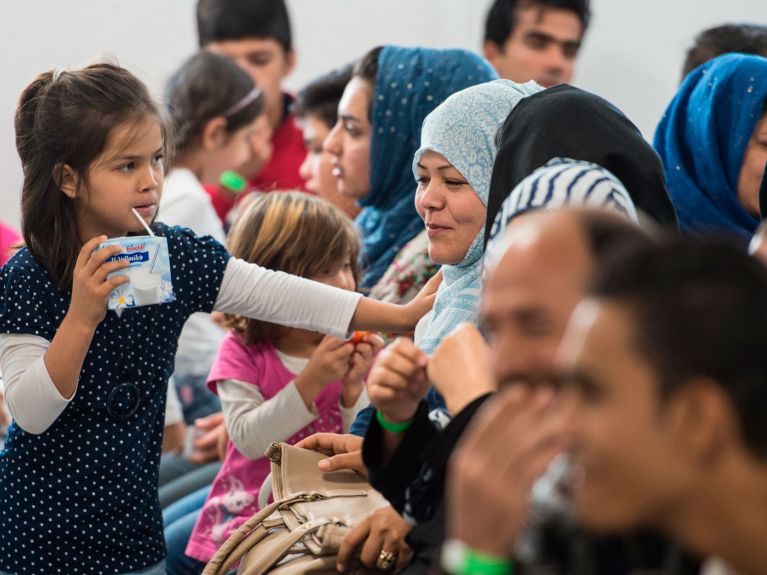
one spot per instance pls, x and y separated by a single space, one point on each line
702 140
463 130
410 83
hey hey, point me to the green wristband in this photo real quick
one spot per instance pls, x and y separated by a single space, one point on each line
460 559
391 426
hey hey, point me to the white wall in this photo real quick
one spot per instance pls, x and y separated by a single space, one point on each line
632 54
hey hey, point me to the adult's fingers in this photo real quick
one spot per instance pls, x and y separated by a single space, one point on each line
353 539
352 460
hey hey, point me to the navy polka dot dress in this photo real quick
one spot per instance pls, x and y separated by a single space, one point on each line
82 496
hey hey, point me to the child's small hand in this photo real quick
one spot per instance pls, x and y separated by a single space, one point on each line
365 351
90 286
328 363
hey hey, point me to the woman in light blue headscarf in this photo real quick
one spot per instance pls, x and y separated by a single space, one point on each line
379 129
713 143
459 137
452 168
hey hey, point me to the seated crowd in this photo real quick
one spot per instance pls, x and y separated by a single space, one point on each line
561 357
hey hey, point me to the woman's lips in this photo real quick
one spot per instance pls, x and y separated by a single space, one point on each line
435 231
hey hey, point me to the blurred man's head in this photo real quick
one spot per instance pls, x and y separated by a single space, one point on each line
666 369
713 42
548 258
255 34
535 39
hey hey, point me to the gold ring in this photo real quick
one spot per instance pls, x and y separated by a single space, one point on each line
386 560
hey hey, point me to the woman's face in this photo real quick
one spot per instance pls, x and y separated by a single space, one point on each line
450 208
349 141
752 170
317 168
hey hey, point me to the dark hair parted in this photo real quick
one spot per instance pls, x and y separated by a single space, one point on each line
68 118
367 69
501 18
320 97
713 42
222 20
698 310
207 86
295 233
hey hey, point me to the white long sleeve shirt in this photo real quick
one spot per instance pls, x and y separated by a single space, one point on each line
35 403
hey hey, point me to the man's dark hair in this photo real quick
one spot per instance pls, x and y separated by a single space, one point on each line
502 17
744 38
320 97
222 20
699 309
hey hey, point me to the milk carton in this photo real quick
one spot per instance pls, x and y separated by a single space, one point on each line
149 272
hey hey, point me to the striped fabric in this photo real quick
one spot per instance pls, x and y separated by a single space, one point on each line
561 182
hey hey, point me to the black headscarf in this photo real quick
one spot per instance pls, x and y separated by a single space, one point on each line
564 121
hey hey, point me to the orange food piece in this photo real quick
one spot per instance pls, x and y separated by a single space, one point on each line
358 336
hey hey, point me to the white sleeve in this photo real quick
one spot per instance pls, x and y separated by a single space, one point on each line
253 423
174 413
32 398
349 414
250 290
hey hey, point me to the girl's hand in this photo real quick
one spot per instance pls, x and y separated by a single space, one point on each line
365 351
398 382
90 286
328 363
422 303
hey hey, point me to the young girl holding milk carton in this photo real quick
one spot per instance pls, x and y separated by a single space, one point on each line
86 386
276 383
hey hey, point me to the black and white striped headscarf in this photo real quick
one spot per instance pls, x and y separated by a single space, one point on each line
561 182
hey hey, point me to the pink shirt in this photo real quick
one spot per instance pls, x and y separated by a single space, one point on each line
8 237
234 495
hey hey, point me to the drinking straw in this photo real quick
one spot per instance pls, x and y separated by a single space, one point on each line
143 223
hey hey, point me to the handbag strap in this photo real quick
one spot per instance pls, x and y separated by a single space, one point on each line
272 549
231 551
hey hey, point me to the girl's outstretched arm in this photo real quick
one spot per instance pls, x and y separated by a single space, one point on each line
253 291
375 315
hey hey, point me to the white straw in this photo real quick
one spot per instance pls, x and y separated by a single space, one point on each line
143 223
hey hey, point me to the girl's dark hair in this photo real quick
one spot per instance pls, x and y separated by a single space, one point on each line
207 86
367 69
320 97
67 118
291 232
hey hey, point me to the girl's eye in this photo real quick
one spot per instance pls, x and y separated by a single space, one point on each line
127 167
455 182
422 180
158 158
351 129
347 266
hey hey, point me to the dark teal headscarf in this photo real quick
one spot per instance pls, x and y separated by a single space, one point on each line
410 83
702 140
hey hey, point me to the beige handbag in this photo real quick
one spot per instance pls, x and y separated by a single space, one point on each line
302 530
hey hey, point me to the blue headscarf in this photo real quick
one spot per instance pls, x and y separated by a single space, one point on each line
463 130
702 140
410 83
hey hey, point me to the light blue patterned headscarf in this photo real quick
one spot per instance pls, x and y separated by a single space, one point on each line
463 130
410 83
